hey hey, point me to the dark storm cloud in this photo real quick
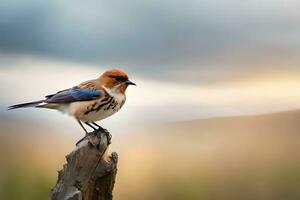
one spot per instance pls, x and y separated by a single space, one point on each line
152 36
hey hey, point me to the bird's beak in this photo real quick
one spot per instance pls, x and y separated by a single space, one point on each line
128 82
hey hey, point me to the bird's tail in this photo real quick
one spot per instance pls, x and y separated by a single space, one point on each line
26 105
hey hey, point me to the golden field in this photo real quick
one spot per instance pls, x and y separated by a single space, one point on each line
243 157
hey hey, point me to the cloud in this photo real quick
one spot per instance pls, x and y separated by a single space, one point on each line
152 101
154 38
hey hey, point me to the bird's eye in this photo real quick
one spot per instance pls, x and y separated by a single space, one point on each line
118 78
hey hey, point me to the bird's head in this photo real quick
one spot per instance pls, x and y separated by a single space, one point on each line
115 79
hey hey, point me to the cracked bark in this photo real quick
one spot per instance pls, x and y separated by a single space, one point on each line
89 173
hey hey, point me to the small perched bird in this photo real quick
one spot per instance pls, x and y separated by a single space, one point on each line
89 101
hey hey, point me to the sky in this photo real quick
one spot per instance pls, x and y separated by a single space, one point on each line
165 39
190 59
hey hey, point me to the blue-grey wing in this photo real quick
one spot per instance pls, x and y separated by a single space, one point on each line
73 94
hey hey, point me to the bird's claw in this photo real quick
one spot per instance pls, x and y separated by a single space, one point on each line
102 129
86 137
106 132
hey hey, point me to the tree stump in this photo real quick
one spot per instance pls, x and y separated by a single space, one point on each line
90 171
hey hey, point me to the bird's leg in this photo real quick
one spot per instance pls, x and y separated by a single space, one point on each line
100 127
86 133
108 135
95 129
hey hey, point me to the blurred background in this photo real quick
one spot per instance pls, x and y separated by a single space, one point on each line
215 113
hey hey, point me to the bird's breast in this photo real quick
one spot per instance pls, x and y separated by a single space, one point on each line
102 108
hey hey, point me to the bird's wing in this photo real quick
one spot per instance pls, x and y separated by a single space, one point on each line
83 92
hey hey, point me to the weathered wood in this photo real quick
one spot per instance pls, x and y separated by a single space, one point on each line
89 173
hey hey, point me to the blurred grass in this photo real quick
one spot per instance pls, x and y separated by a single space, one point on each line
253 158
25 184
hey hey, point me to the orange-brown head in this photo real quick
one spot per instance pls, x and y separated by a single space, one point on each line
116 79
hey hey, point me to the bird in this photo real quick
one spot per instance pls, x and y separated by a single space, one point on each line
89 101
